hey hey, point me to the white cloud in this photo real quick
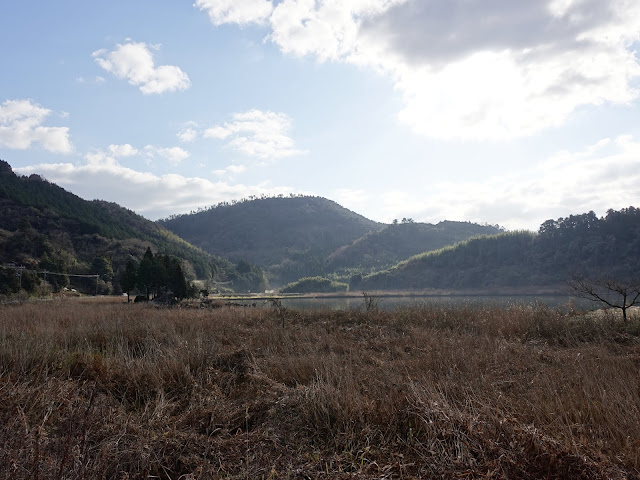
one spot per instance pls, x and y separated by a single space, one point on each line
329 29
187 134
125 150
174 155
602 176
230 170
476 69
217 132
354 199
236 11
21 126
599 177
258 134
97 80
236 168
153 196
134 61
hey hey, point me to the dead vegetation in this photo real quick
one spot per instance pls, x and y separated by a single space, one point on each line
115 391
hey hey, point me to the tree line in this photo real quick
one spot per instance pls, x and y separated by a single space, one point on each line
157 276
579 245
225 203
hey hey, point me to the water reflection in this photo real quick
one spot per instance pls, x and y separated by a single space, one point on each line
388 303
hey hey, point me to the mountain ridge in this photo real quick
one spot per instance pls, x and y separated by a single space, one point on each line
400 241
290 236
41 221
582 244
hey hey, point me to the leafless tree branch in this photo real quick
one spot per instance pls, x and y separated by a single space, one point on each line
614 293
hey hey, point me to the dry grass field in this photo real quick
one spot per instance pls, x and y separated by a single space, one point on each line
104 390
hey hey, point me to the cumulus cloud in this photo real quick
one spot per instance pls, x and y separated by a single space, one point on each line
125 150
187 134
174 155
235 11
475 69
602 176
21 126
521 69
256 133
154 196
217 132
134 62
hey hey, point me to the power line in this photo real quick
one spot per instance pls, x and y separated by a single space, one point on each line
96 276
22 268
89 275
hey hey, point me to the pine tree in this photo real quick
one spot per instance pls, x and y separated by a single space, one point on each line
145 273
129 278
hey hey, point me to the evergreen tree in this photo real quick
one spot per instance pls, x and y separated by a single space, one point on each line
129 278
177 281
145 273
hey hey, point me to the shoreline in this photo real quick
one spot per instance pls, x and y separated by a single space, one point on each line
554 291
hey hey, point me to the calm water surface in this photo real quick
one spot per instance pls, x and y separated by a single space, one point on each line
388 303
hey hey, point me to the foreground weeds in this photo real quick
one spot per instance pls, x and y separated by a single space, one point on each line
120 391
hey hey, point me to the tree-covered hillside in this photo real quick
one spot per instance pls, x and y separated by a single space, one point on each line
44 226
400 241
291 236
579 244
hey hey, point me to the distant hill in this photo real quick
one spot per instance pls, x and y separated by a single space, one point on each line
290 236
579 244
41 222
402 240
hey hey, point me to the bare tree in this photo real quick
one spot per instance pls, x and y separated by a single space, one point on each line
620 294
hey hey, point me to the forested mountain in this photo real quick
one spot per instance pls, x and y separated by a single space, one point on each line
579 244
44 226
290 236
400 241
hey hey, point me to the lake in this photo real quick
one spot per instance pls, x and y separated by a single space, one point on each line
390 302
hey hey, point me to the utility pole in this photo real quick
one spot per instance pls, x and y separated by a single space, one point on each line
19 274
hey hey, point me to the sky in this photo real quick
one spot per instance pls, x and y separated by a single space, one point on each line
492 111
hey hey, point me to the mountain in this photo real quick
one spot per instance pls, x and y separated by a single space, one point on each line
290 236
577 245
400 241
44 226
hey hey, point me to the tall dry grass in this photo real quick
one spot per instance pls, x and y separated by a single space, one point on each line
106 390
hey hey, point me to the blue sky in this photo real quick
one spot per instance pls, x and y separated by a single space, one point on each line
492 111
